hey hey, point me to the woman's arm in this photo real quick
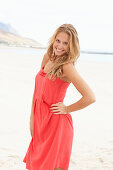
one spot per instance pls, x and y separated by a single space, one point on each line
44 60
88 96
32 119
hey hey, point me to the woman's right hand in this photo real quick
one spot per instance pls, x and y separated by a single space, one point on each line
32 119
31 124
31 131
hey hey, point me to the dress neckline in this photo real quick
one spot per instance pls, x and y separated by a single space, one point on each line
42 69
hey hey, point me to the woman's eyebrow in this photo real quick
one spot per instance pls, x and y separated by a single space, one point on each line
65 41
60 40
57 39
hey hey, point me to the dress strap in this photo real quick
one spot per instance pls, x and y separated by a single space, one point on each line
43 67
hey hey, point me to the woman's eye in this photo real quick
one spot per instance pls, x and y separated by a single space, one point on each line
57 40
65 43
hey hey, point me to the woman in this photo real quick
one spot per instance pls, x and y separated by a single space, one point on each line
51 124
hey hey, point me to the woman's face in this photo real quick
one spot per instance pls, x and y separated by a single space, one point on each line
61 43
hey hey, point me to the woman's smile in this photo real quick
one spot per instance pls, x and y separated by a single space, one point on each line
59 50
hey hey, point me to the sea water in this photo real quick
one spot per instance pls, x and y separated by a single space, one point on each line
38 52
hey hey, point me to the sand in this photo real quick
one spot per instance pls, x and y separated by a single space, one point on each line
93 129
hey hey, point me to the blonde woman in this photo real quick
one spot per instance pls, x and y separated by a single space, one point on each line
51 123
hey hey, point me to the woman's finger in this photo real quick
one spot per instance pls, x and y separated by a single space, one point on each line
56 110
53 108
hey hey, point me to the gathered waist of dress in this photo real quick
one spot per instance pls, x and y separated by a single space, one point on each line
41 100
49 105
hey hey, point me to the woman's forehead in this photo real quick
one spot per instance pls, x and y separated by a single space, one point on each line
63 35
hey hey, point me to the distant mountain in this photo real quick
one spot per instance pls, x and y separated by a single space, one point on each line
10 37
7 28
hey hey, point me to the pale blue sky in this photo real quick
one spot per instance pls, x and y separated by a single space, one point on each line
38 19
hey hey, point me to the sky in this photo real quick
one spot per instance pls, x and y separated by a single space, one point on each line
38 19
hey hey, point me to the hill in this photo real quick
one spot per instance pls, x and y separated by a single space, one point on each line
10 37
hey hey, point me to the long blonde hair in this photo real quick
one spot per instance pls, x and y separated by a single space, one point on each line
70 56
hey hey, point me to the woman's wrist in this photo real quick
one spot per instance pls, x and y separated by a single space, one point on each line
67 109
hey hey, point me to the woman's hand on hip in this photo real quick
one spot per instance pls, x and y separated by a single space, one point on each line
59 108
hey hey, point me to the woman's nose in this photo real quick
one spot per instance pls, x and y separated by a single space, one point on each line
60 45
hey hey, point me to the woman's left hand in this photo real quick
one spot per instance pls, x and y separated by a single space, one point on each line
59 107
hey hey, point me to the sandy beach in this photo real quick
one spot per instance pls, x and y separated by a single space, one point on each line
93 125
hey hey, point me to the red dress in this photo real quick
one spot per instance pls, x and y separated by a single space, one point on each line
51 144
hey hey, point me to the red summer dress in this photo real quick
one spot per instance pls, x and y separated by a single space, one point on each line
51 144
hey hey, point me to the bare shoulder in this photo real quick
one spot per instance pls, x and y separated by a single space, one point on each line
67 66
73 76
69 70
44 60
71 73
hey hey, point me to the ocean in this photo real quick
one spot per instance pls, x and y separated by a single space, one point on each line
40 52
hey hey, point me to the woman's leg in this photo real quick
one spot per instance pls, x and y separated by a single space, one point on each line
58 169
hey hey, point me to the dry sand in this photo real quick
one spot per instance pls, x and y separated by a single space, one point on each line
93 135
